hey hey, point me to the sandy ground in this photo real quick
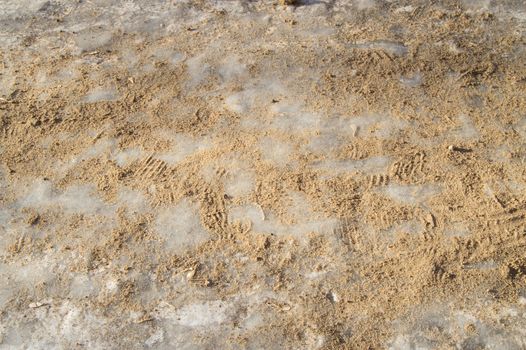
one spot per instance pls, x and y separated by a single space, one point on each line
248 175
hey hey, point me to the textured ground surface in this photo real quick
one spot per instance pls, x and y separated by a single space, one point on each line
246 175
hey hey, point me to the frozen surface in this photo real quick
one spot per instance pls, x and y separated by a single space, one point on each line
244 174
180 227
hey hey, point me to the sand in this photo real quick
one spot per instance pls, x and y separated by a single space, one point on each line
263 175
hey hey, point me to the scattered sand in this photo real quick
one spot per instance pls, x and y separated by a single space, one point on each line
235 174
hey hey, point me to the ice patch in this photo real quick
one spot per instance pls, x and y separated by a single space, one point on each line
411 194
82 287
231 68
239 183
240 178
412 227
91 40
365 4
457 229
203 315
476 4
483 265
127 156
393 47
198 70
132 200
255 95
155 338
275 151
520 127
78 199
183 147
101 94
467 129
292 118
404 9
98 148
412 81
180 227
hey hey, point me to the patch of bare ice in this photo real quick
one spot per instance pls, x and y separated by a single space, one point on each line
184 146
275 151
78 199
393 47
101 94
180 227
411 194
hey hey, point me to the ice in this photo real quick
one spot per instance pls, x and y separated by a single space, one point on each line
132 200
78 199
91 40
254 95
198 70
457 229
412 194
275 151
393 47
203 314
127 156
411 227
404 9
180 227
414 80
373 165
467 130
231 68
82 287
240 178
239 182
293 118
156 338
239 102
476 4
520 127
95 150
365 4
101 94
404 342
6 216
183 147
323 144
168 55
482 265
